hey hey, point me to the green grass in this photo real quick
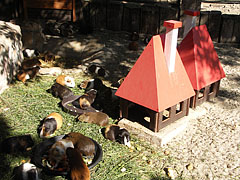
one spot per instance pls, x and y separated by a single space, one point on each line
22 106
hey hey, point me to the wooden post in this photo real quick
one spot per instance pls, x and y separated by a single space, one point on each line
190 20
171 43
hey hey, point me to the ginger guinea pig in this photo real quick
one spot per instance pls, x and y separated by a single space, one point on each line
78 168
65 81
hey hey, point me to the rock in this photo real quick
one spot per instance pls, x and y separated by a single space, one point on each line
50 71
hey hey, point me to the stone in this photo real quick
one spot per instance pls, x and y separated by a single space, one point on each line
50 71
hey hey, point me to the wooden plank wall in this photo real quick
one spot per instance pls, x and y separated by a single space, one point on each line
132 16
223 28
148 18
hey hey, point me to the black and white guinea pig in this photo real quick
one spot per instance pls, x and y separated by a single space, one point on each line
94 69
117 134
30 53
50 124
65 81
17 144
58 90
26 171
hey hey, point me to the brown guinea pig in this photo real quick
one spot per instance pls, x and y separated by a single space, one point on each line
98 118
50 124
78 168
83 143
30 63
58 90
87 99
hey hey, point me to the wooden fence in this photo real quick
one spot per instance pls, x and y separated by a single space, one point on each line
145 17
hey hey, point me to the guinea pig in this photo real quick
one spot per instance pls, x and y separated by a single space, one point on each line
87 99
78 168
94 69
92 84
65 81
83 143
57 153
30 63
50 124
30 53
26 171
17 144
24 75
115 133
58 90
98 118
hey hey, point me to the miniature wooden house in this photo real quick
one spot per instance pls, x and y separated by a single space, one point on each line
202 64
158 81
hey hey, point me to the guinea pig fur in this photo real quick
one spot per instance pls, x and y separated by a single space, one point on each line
17 144
83 143
26 171
115 133
50 124
78 168
94 69
30 63
24 75
57 152
65 81
30 53
87 99
92 84
98 118
58 90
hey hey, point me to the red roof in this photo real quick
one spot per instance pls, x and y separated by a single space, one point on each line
200 58
149 83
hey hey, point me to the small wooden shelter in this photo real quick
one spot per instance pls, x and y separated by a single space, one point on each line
151 84
202 64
